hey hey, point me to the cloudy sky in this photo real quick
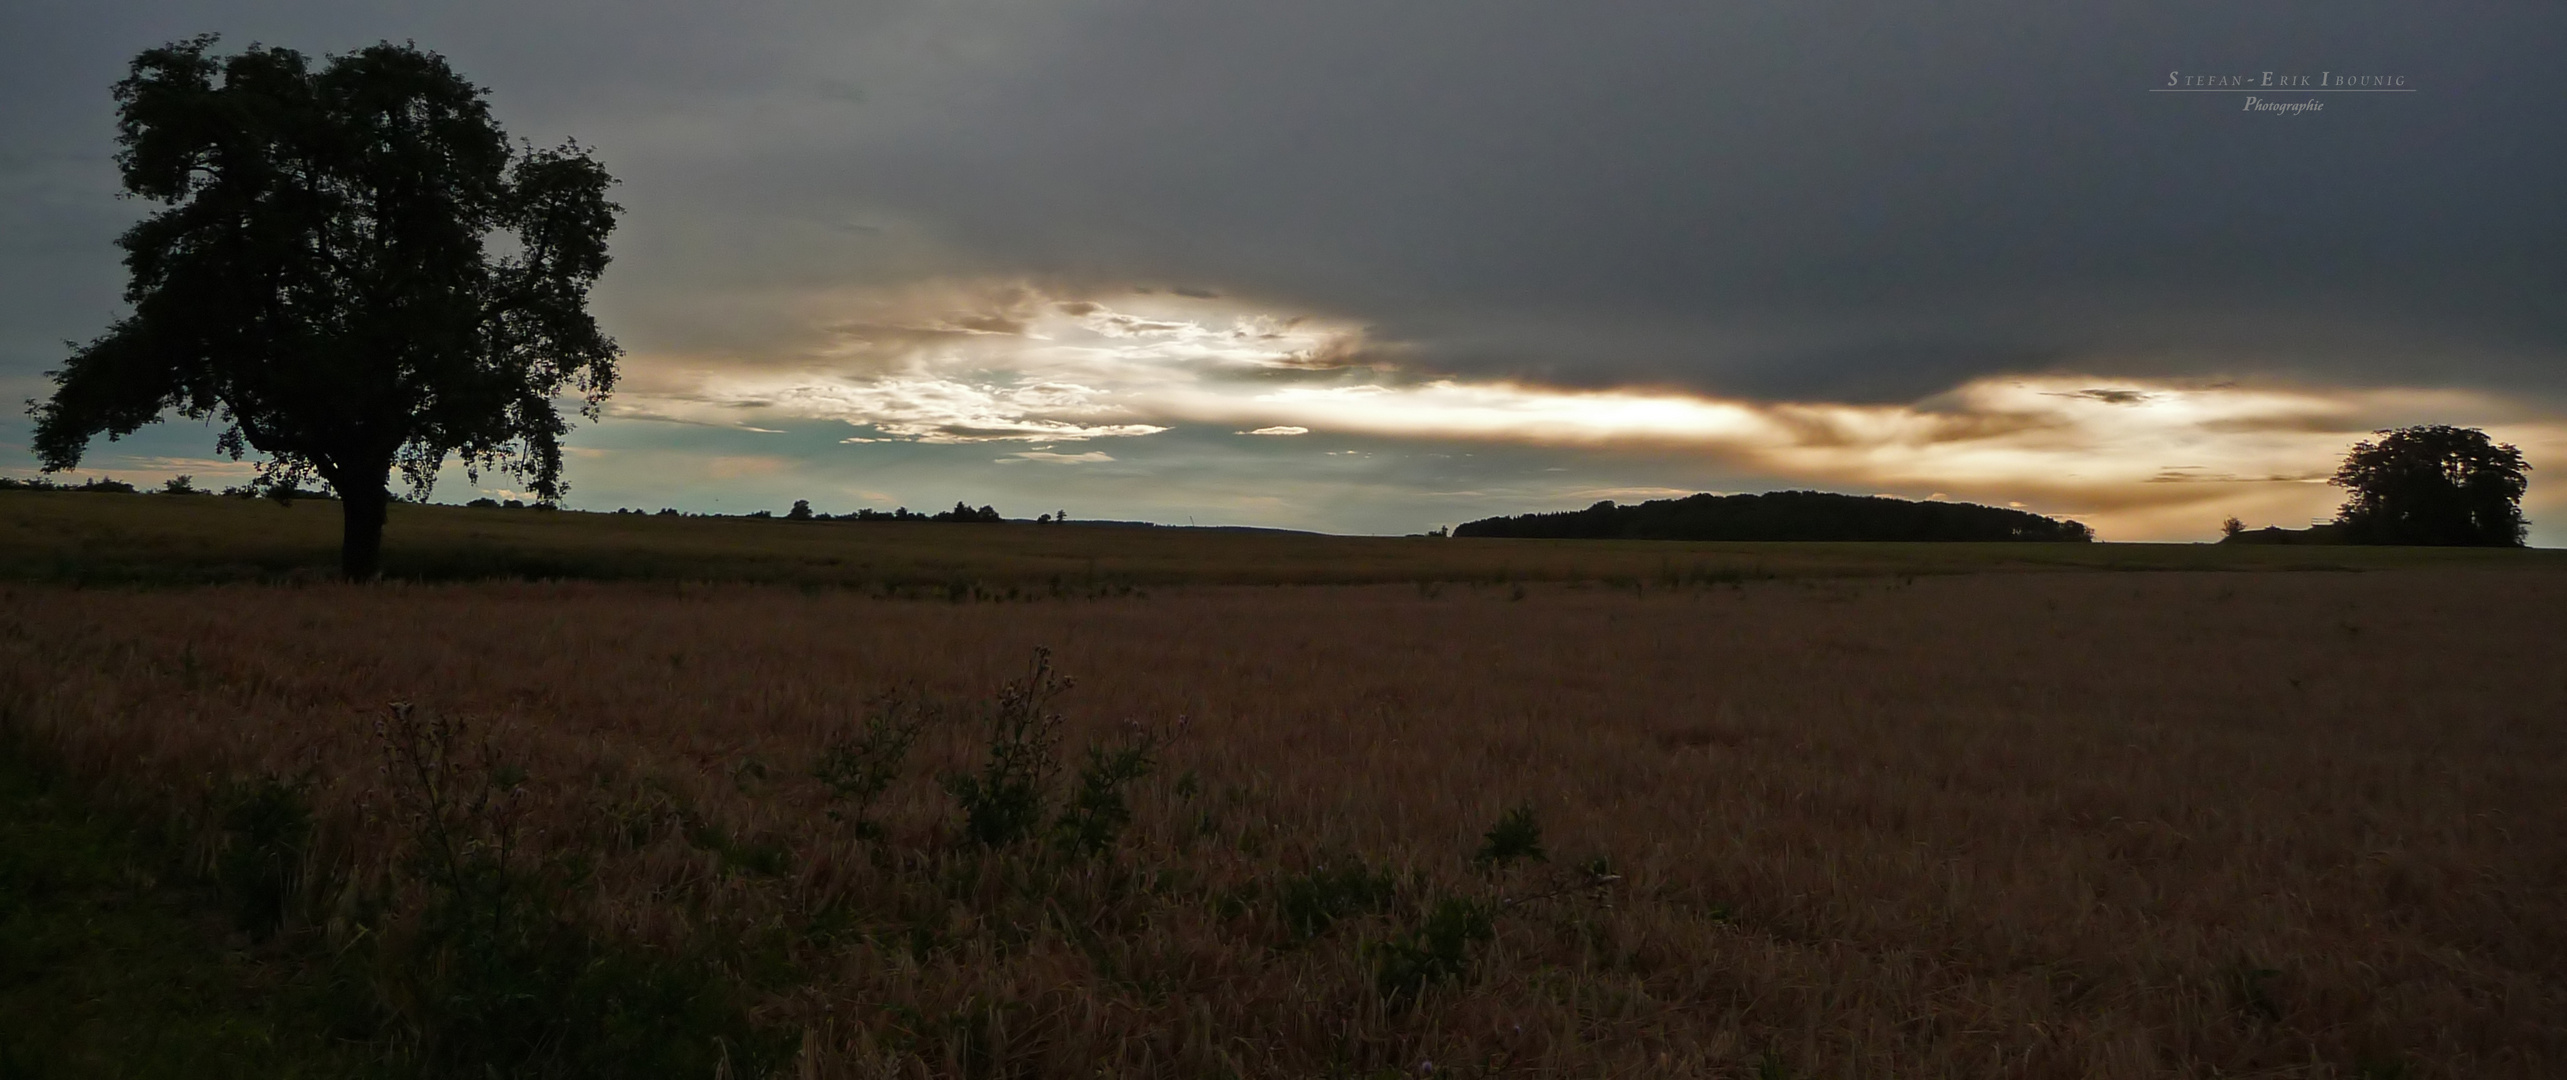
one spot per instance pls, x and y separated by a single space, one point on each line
1383 265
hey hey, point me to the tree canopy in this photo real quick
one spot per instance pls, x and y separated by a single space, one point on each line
2434 485
354 271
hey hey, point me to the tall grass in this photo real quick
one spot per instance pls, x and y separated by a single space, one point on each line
2023 825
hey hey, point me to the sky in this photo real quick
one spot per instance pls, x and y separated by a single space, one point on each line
1382 266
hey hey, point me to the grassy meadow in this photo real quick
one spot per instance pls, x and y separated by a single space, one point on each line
1426 807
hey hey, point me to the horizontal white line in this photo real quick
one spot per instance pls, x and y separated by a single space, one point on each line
2287 89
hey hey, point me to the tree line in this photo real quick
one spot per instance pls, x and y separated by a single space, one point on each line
186 485
1784 515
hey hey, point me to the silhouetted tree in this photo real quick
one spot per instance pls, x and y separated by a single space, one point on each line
354 271
2435 485
801 511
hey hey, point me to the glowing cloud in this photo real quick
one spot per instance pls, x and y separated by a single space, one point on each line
2141 454
1089 458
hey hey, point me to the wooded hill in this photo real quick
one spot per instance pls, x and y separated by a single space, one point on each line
1783 515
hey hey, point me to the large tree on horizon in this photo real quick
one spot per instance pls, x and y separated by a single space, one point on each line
355 271
2434 485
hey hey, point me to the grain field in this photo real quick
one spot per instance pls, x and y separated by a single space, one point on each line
2087 825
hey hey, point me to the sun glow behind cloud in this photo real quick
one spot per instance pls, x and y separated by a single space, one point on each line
2136 457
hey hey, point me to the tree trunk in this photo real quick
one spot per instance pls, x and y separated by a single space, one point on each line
361 546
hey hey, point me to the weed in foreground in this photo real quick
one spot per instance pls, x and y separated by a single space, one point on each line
1009 798
1442 945
2250 987
489 974
1517 835
1437 949
1005 801
1312 901
267 825
106 968
1098 810
857 767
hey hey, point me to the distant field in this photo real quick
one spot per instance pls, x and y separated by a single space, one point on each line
102 537
2079 826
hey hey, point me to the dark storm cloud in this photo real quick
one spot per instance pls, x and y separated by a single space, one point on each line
1851 200
1815 200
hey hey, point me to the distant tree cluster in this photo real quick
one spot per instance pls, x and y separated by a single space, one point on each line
186 485
962 512
2274 534
2432 485
1784 515
802 511
42 483
182 484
